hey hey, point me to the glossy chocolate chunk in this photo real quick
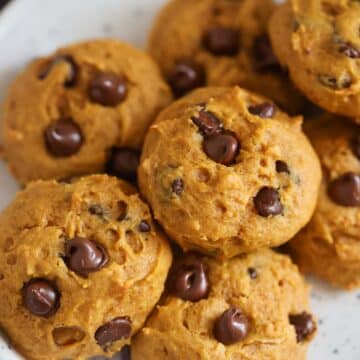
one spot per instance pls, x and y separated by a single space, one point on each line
116 329
63 138
190 282
41 297
267 202
231 327
84 256
107 89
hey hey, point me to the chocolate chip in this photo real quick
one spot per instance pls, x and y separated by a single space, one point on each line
349 50
72 72
282 167
231 327
220 40
345 190
265 60
123 209
41 297
123 163
186 75
144 226
63 138
84 256
116 329
264 110
252 273
207 123
267 202
190 282
304 325
177 186
222 147
107 89
355 145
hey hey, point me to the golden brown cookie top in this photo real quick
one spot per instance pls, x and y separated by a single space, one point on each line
319 42
220 43
69 113
253 304
82 264
226 156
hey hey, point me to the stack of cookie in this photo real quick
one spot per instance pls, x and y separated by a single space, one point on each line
88 266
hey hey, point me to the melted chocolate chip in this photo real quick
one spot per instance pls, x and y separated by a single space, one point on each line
265 60
252 273
264 110
207 123
144 226
72 72
123 163
231 327
349 50
41 297
221 40
282 167
63 138
116 329
190 282
107 89
343 82
355 145
304 326
177 186
267 202
345 190
186 75
84 256
222 147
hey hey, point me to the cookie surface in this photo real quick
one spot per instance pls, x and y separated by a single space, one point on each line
81 108
226 172
329 245
79 274
220 43
249 307
318 41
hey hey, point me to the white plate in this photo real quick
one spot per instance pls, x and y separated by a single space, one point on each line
32 28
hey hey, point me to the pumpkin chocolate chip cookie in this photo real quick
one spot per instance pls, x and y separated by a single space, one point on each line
250 307
220 43
226 172
318 41
329 245
78 274
83 110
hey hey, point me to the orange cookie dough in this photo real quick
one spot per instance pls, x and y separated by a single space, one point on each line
220 43
81 267
318 41
329 245
251 307
83 109
226 172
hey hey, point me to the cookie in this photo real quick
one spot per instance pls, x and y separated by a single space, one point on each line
329 245
78 274
226 172
249 307
82 110
220 43
318 41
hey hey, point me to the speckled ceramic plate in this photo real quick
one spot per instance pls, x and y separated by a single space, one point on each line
32 28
